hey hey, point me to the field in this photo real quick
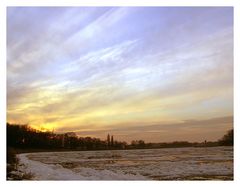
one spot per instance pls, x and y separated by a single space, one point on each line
210 163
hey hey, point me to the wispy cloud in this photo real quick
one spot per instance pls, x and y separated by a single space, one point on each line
94 69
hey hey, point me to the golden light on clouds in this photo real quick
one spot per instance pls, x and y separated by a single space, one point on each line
107 70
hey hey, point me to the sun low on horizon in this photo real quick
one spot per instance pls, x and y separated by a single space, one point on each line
151 73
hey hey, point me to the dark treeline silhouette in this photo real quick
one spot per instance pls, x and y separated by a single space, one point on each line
25 137
227 139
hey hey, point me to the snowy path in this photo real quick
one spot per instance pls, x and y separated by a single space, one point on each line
43 171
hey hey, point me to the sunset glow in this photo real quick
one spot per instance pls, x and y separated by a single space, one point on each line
152 73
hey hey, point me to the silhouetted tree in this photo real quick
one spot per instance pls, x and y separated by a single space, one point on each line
138 144
108 140
112 140
227 139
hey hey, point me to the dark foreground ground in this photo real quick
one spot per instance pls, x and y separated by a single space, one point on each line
12 166
12 163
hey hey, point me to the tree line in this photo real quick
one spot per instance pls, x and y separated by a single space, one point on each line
25 137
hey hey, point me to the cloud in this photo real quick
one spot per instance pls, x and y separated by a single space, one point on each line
188 130
98 68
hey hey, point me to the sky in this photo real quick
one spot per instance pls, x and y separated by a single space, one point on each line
151 73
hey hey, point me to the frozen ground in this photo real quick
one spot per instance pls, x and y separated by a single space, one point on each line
213 163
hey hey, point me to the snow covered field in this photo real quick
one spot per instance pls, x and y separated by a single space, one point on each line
213 163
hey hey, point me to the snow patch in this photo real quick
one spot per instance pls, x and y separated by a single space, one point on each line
148 164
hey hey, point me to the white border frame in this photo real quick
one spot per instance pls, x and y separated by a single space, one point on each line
5 3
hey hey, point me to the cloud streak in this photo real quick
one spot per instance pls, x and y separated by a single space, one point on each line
92 69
